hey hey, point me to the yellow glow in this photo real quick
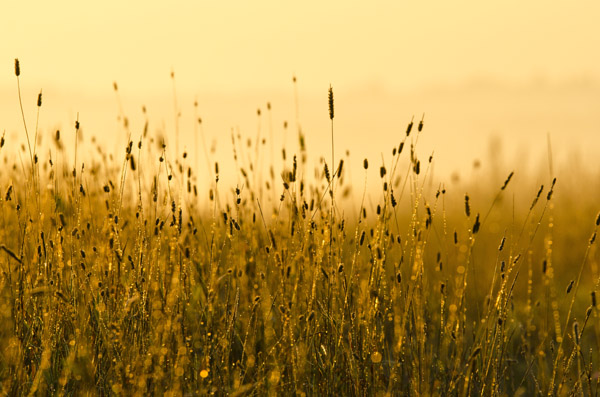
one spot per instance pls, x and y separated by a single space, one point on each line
517 70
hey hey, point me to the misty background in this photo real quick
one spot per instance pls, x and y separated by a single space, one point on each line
494 80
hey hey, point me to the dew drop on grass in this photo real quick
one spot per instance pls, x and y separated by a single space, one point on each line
376 357
204 374
275 376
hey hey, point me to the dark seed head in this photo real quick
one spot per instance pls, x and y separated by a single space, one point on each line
467 206
409 128
382 171
507 181
330 97
476 225
544 266
502 244
551 190
570 286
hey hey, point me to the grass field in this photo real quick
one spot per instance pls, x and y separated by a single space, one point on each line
126 274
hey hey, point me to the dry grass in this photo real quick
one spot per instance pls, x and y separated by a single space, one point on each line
115 280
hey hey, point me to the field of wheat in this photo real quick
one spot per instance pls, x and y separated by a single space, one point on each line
124 274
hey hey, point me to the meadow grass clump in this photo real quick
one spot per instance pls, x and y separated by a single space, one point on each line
123 274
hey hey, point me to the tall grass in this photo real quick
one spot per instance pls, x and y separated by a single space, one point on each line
117 280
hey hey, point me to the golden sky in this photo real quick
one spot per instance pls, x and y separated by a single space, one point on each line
516 69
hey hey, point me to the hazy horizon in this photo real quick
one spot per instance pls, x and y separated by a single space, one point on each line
461 121
479 72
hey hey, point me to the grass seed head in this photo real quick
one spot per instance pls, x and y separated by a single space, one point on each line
327 175
476 225
409 127
132 163
570 286
330 98
551 190
507 180
537 196
467 206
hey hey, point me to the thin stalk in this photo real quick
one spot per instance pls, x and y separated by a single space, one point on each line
17 73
